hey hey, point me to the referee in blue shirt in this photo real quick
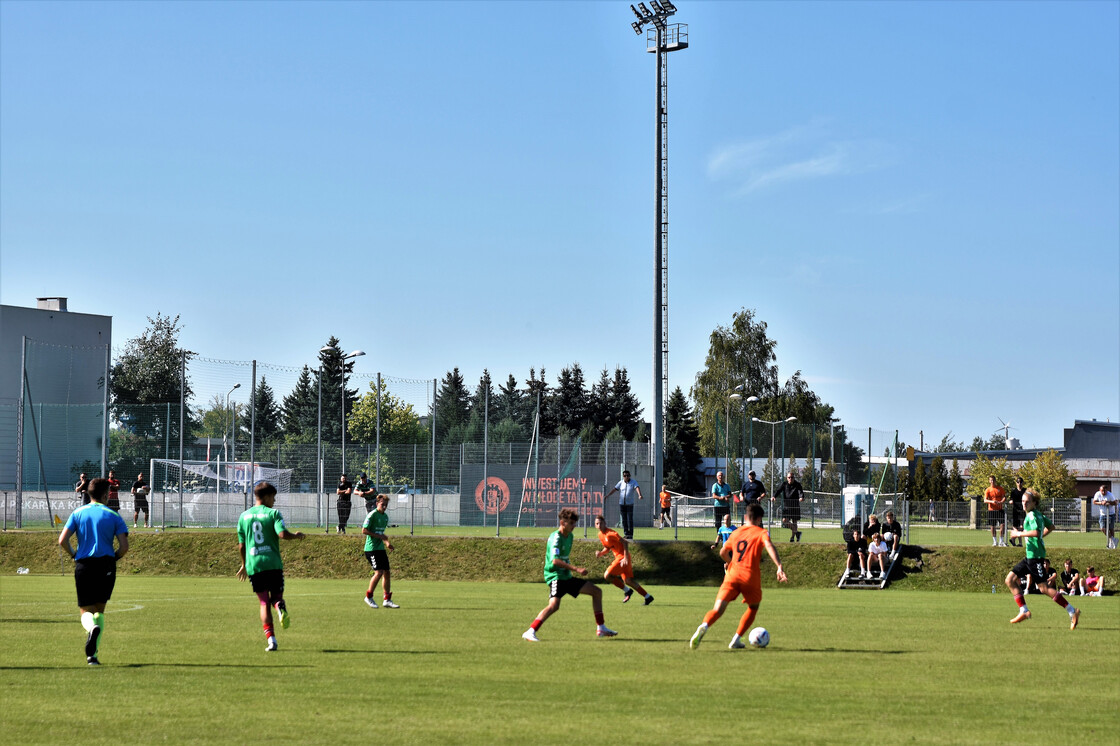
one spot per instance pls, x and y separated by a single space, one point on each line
95 561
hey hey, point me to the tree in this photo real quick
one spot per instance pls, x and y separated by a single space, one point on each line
919 484
739 354
536 390
509 405
983 467
452 408
338 400
948 445
1049 476
570 403
299 412
624 408
995 442
149 372
268 427
830 479
956 482
938 480
483 393
682 446
400 425
600 403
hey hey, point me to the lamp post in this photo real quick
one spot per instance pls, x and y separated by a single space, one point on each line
773 425
733 396
225 455
342 375
831 426
661 38
750 441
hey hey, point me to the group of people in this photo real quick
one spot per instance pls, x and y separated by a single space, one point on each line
791 493
1105 504
346 489
102 537
140 491
885 538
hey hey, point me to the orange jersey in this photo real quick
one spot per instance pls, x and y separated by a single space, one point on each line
666 499
993 496
747 545
612 541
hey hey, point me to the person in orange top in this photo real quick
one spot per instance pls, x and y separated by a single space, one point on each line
621 572
666 508
742 554
993 498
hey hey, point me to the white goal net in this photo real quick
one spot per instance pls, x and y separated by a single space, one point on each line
214 493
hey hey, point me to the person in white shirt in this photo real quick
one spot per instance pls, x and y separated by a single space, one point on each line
877 552
1106 514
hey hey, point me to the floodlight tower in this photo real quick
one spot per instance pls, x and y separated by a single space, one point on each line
661 38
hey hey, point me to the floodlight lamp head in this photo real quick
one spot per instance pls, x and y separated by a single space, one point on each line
636 13
657 7
645 11
237 385
637 28
669 6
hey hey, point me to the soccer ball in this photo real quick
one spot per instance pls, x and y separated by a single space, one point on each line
759 637
887 537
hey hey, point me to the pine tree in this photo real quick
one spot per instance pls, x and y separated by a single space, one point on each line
625 410
570 400
338 401
682 446
534 388
300 410
452 408
485 389
956 482
509 405
600 403
268 426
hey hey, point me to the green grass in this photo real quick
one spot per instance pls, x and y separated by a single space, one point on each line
184 661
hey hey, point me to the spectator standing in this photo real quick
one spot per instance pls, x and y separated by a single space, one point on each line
792 494
1017 513
82 488
114 503
95 560
626 490
753 491
367 491
342 505
721 499
140 490
994 498
1106 516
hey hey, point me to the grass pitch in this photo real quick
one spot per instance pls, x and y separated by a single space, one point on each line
184 661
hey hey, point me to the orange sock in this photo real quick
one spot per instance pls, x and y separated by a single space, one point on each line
711 617
745 622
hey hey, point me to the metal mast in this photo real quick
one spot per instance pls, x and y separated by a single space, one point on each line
661 38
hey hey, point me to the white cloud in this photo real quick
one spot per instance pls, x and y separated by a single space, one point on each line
802 153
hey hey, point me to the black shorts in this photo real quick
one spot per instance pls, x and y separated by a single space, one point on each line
1033 567
268 581
667 511
378 559
567 587
791 511
857 547
114 504
94 577
995 518
140 503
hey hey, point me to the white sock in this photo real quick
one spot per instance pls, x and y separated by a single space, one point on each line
87 621
735 639
703 625
1070 610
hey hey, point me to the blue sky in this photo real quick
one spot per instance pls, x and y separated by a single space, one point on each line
922 200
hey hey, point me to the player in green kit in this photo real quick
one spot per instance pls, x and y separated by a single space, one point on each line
558 574
259 531
377 551
1035 526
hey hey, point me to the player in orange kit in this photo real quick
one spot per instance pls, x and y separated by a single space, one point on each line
621 571
741 554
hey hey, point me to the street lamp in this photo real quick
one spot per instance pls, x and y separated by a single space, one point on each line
225 455
347 356
831 425
734 396
750 441
773 425
661 38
